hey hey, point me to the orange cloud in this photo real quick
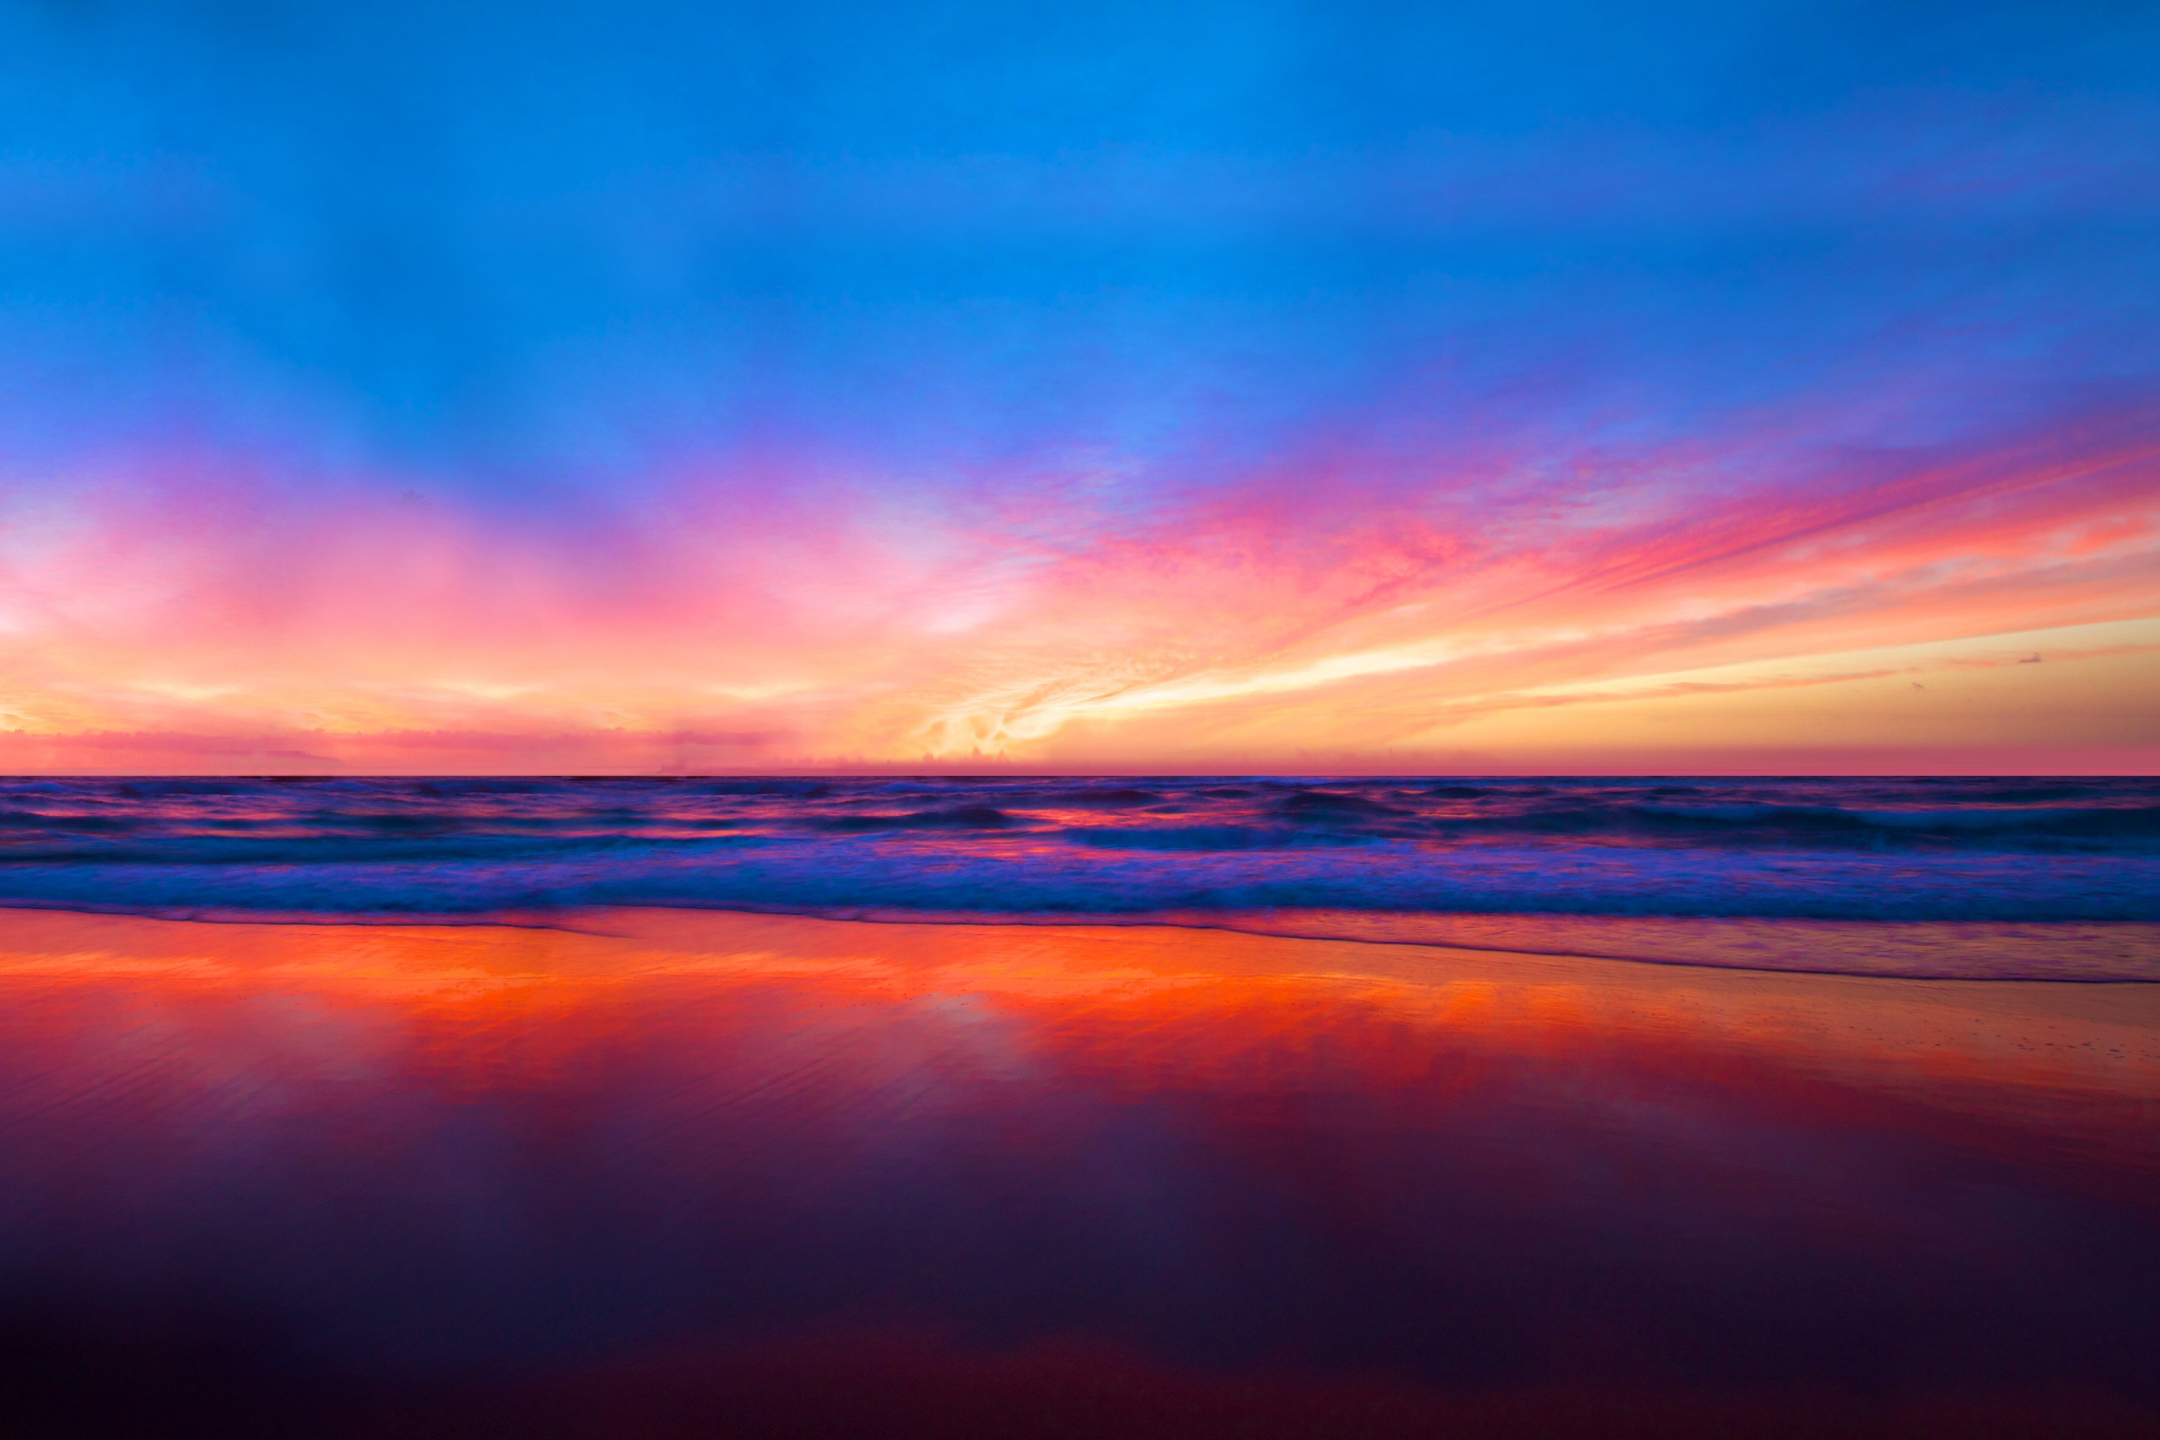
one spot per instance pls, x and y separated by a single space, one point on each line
1375 611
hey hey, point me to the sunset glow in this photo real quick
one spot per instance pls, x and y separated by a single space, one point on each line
918 719
1209 392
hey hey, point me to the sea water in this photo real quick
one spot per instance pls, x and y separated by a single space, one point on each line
2002 878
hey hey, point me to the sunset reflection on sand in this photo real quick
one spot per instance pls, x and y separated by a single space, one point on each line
492 1158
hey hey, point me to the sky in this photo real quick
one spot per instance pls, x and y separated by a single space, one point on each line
647 387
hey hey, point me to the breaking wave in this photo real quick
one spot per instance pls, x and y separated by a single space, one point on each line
1930 851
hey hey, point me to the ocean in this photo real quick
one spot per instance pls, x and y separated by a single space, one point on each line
1952 878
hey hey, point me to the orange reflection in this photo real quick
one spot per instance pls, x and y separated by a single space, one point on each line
1143 1007
636 1131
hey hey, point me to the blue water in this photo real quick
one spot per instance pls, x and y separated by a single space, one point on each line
2007 853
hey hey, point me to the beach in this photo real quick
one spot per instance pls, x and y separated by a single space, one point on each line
966 721
734 1171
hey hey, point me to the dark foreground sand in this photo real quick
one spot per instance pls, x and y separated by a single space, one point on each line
676 1173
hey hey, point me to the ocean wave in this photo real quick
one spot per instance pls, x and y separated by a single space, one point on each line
1860 850
877 871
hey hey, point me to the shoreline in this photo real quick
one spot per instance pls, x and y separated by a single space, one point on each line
2007 1019
2104 953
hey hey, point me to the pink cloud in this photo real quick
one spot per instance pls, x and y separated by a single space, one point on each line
784 611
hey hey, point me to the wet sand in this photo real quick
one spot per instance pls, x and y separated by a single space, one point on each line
674 1172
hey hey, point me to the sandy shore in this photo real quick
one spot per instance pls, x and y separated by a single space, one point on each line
2042 1035
463 1150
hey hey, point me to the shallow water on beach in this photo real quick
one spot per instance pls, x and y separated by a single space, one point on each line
652 1171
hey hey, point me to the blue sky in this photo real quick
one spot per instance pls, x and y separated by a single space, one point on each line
1044 282
550 239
